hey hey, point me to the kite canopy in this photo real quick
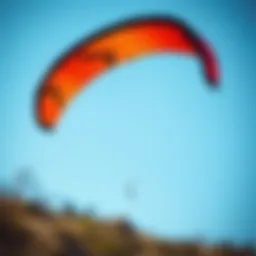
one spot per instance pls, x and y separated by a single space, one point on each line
113 46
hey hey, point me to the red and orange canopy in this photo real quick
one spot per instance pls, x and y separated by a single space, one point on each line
113 46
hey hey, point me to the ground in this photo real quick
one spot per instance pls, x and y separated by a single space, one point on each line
29 229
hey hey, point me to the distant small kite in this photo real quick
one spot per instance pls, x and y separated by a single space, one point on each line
113 46
130 191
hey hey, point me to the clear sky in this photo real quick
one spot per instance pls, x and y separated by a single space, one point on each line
189 150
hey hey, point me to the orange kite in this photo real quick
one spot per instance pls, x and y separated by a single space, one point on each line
113 46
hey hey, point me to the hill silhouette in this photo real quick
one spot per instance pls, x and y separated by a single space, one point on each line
29 229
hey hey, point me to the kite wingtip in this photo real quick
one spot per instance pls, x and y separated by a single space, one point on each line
214 84
48 128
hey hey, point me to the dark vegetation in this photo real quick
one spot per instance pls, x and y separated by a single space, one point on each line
31 228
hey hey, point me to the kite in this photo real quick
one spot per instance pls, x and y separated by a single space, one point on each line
115 45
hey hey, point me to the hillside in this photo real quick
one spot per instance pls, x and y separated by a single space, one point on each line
29 229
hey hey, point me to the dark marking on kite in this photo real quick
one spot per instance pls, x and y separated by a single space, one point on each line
55 94
106 56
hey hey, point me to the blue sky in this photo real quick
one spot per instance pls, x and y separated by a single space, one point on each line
188 149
